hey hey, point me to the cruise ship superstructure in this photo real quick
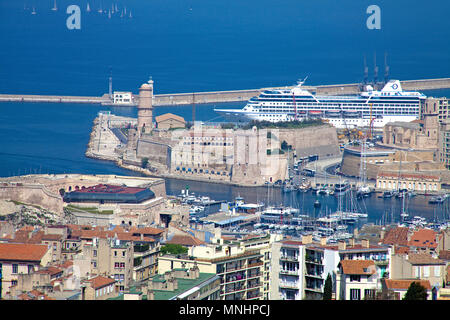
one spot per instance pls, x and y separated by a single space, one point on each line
369 107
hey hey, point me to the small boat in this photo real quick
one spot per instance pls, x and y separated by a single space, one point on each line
34 11
317 204
323 190
411 194
55 8
341 188
88 8
437 199
363 192
388 194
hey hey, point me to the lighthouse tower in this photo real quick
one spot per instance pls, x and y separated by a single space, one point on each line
145 108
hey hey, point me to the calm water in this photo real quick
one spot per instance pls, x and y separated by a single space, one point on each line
195 45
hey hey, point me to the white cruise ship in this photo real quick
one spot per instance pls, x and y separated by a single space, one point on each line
343 111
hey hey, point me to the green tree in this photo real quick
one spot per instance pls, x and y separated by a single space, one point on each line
172 248
328 288
285 146
144 162
416 292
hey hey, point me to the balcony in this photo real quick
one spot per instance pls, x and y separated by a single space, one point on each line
289 258
229 290
289 284
255 264
290 272
253 275
313 260
381 262
314 289
314 275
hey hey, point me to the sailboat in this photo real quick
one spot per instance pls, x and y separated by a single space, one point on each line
88 8
130 15
363 190
109 14
100 10
34 11
55 8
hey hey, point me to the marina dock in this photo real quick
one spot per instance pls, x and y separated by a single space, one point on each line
163 100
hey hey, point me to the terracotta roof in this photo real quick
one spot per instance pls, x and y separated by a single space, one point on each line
185 240
363 267
414 176
51 270
423 238
398 236
401 250
34 295
22 252
146 230
404 284
423 259
292 242
100 281
51 236
167 116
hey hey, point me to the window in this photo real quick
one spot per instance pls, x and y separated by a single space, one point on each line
355 277
369 293
95 253
426 271
355 294
15 268
30 268
437 271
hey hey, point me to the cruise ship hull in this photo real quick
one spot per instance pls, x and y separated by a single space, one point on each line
239 115
368 108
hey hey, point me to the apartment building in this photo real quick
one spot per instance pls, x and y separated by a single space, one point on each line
243 265
299 268
98 288
421 266
396 289
356 280
20 258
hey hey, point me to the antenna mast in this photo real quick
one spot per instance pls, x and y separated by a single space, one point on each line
375 69
193 108
386 69
110 84
366 71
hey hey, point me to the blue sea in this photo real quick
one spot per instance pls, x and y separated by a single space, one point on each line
187 46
